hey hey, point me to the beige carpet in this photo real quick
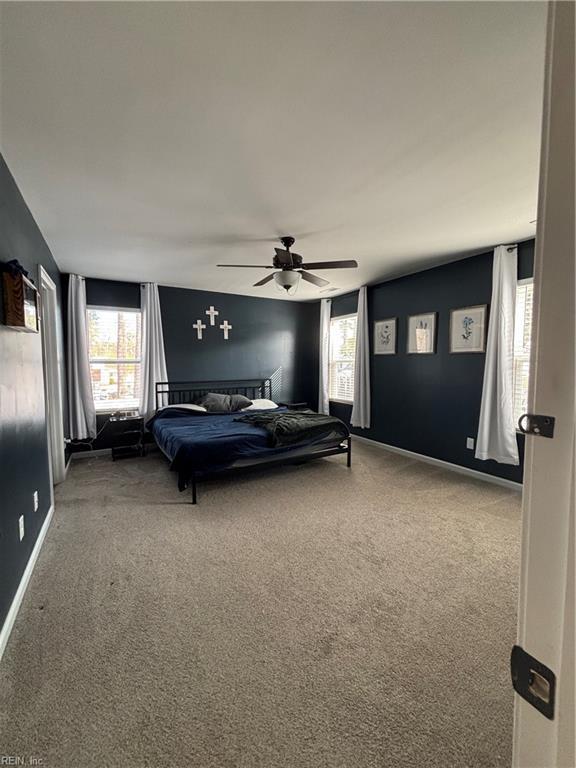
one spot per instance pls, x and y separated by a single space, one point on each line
309 617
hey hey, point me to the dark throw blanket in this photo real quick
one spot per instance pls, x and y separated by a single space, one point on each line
290 427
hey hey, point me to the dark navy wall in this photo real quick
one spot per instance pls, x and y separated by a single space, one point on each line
430 404
427 404
268 338
23 438
112 293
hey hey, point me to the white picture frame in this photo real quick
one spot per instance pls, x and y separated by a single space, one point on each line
468 329
385 336
422 334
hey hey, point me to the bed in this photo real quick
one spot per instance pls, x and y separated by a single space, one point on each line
201 444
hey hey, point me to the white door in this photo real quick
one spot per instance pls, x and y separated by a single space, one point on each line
52 375
546 607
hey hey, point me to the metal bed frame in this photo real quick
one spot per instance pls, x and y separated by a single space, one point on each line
183 392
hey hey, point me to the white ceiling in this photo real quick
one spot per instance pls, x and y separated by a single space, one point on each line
154 140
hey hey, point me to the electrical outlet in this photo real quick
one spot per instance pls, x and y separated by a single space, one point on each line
35 501
21 526
470 443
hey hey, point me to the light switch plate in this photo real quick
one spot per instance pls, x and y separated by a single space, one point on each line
21 527
470 443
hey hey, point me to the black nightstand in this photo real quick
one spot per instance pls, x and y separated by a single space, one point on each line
127 436
295 406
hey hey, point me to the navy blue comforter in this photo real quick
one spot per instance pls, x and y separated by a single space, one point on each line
205 442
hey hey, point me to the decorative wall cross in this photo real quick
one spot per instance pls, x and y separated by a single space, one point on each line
212 312
199 325
226 327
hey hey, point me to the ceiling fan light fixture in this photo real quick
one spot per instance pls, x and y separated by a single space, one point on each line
287 281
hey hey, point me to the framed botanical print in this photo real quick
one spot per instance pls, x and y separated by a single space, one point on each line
422 334
385 337
468 329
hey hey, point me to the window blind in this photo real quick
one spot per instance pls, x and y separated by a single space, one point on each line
114 348
522 346
342 353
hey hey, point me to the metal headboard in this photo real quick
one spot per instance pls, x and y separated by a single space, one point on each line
182 392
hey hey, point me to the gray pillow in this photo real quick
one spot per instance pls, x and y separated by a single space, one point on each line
237 402
214 402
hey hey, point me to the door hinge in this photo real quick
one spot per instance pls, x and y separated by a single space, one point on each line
533 681
536 424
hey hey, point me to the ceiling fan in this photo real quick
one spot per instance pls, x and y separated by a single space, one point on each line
292 268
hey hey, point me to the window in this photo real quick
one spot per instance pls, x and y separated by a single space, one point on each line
342 352
522 340
114 354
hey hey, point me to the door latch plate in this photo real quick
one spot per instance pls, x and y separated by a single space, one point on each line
536 424
533 681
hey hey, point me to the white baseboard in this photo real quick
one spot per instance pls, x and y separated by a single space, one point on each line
444 464
20 592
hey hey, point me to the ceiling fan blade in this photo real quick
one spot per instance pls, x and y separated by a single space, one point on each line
244 266
313 279
331 264
264 280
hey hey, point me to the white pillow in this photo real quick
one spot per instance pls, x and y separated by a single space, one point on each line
261 405
187 406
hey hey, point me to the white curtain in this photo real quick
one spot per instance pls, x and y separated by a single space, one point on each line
497 430
361 408
153 357
82 413
323 394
